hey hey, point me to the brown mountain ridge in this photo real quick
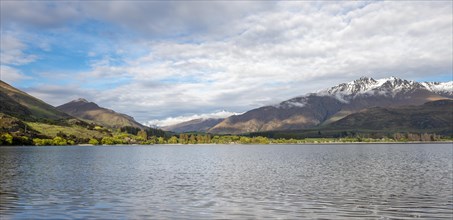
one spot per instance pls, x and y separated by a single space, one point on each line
90 111
332 104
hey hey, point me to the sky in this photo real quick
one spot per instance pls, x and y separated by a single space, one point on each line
164 62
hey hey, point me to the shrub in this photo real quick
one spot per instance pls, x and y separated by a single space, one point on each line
93 141
42 142
6 139
59 141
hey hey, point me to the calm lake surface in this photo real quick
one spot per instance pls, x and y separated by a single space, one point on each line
361 181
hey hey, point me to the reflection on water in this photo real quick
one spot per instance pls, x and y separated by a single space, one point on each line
227 181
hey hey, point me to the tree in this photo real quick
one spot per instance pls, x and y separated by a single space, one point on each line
398 136
22 140
108 141
200 139
160 140
215 139
173 140
192 139
434 137
425 137
143 134
413 137
244 140
93 141
59 141
152 140
261 140
183 138
6 139
208 138
42 142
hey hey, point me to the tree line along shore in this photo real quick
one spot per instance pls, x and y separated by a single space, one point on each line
143 138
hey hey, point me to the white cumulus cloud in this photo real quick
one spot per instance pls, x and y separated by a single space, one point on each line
193 58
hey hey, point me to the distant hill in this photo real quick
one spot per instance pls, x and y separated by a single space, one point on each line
81 108
23 106
195 125
332 104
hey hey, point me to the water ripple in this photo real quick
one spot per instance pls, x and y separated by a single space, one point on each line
227 182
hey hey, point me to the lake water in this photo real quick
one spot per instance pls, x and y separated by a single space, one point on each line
357 181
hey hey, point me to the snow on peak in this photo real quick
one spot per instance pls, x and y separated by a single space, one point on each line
298 102
367 86
390 86
439 87
80 100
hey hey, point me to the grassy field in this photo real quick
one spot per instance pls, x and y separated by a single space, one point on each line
53 130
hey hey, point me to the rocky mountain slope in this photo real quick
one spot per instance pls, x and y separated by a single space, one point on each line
435 117
90 111
195 125
332 104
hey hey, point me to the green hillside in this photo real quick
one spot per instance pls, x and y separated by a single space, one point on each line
26 120
23 106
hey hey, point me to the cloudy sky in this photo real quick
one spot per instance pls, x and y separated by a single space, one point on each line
166 61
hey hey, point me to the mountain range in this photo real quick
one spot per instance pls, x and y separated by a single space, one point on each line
329 105
26 116
195 125
390 104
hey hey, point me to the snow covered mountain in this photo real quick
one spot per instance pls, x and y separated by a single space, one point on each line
331 104
391 88
441 88
383 87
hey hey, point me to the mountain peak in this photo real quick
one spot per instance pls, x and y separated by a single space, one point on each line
443 88
83 103
80 104
334 103
367 86
84 109
81 100
392 78
365 78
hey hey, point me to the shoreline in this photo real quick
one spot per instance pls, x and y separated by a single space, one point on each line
321 143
